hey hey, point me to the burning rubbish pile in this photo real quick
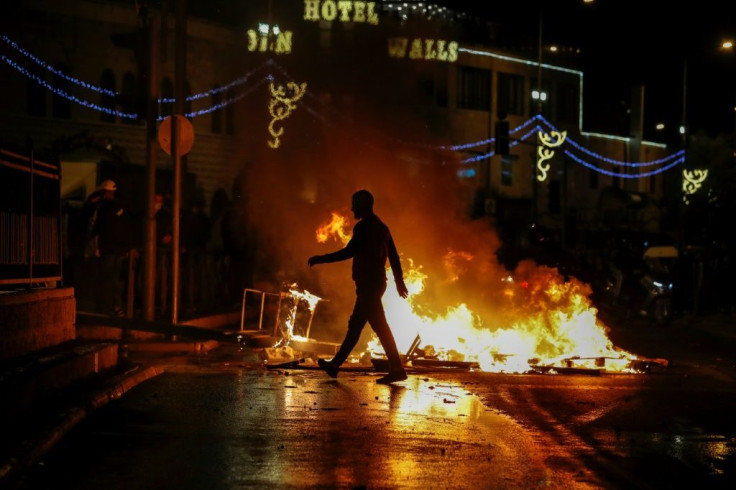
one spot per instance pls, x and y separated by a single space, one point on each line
550 324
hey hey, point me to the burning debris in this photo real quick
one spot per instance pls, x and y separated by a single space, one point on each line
551 324
542 323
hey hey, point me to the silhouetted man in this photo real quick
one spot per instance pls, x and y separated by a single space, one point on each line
369 248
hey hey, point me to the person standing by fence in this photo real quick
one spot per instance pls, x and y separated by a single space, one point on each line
112 230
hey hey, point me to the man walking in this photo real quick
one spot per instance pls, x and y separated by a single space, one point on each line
370 247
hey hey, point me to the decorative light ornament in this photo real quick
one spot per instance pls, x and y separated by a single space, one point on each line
281 107
692 180
550 140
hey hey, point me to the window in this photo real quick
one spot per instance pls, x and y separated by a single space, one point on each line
166 97
129 96
440 86
107 82
216 114
566 103
554 193
510 94
473 88
229 112
61 106
187 100
593 179
431 86
325 35
35 92
507 169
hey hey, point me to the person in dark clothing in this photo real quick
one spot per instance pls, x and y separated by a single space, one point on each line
164 235
239 248
195 233
112 230
370 247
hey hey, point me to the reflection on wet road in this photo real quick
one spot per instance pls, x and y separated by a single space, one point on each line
273 430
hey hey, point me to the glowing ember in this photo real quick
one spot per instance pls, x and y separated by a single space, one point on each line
552 322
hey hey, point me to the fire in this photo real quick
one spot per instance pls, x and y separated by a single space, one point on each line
335 227
549 322
290 300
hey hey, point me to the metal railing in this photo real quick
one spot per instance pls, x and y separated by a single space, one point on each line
30 220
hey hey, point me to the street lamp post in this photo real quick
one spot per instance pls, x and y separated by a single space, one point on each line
535 189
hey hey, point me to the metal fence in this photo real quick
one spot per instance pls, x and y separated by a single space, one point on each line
30 220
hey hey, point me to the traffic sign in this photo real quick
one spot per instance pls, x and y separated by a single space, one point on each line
186 134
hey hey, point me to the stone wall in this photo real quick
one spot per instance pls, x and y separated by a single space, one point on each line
33 320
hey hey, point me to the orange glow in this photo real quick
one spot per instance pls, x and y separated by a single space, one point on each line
548 322
335 228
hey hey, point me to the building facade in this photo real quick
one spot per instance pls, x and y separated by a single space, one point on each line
72 88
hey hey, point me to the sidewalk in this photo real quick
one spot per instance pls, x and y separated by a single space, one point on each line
27 437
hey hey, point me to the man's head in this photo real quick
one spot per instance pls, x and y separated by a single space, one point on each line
109 187
362 204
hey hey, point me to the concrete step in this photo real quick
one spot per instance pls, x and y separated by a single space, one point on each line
39 376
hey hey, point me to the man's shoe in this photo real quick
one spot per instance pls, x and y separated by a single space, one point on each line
392 377
329 367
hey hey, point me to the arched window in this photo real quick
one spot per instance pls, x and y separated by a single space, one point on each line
129 95
35 92
61 106
187 102
107 82
229 112
217 113
167 97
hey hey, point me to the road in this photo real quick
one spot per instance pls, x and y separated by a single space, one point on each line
222 421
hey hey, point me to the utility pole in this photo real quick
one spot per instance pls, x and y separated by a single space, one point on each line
535 189
149 248
180 92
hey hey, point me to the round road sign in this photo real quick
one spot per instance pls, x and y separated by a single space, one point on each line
186 135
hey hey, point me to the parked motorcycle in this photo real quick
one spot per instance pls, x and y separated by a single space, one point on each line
644 287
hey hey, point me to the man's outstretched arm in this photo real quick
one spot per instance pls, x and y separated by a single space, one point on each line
393 259
342 254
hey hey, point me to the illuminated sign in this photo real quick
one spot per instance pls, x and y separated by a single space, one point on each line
423 49
269 39
343 10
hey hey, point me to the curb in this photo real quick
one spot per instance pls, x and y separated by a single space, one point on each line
72 417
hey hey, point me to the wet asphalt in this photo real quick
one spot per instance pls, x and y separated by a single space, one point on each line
222 420
269 429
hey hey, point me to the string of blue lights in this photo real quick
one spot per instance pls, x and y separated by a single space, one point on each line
670 160
190 98
610 160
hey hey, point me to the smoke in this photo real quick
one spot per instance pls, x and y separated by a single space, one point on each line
290 191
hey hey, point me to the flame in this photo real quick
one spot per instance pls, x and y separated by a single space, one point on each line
291 299
553 322
335 228
453 266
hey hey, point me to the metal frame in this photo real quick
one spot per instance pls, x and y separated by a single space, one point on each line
280 295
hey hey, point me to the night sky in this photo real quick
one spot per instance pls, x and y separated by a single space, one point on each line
623 43
632 42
